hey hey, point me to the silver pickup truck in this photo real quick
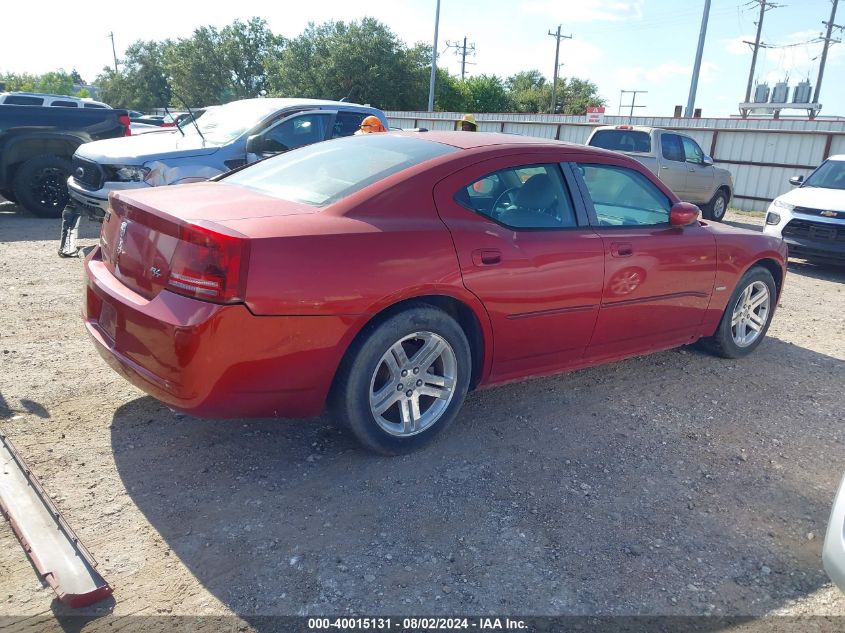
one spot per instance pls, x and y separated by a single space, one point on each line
674 158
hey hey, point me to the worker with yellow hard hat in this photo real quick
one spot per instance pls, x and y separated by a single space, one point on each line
468 123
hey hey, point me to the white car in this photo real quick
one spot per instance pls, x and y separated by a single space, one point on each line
833 554
811 218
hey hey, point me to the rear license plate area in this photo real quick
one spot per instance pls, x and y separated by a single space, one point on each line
108 320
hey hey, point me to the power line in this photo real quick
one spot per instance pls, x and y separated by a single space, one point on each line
764 6
462 50
827 41
558 37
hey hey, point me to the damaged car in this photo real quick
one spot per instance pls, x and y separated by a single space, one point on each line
226 137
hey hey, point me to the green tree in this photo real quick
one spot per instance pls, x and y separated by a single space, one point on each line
57 83
20 82
364 61
142 84
575 95
529 91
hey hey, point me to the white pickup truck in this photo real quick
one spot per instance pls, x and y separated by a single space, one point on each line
674 158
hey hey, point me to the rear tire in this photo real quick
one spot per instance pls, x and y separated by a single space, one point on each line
747 316
40 185
717 208
403 382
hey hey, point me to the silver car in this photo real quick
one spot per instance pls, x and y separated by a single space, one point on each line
833 554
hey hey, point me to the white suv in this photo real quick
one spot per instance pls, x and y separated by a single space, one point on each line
41 99
811 218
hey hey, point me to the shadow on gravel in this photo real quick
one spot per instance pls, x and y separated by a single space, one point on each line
16 225
674 484
824 272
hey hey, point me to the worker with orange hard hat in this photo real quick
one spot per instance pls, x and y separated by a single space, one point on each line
372 124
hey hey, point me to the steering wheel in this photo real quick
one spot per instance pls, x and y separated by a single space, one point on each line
496 211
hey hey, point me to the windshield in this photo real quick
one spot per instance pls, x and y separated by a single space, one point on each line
228 122
324 173
829 175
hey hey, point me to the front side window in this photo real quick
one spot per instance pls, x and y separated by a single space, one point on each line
624 197
692 152
297 132
347 123
829 175
526 197
673 148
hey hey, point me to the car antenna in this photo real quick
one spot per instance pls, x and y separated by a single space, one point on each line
165 97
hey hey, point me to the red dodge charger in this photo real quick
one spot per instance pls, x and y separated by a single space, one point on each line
385 275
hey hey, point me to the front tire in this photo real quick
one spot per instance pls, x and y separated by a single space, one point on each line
747 316
40 185
403 382
718 207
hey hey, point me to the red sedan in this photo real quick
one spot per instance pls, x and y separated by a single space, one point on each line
385 275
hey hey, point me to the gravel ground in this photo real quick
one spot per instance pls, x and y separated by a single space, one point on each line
673 484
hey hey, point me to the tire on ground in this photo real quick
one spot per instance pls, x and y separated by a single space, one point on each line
40 185
350 399
717 208
722 343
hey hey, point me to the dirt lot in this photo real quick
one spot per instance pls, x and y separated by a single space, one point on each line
672 484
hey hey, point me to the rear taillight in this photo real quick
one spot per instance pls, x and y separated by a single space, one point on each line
208 264
126 123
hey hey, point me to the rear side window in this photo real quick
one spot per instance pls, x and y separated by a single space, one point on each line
323 173
94 105
65 104
23 100
347 123
624 197
524 197
622 140
672 147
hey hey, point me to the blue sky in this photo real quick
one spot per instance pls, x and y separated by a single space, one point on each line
618 44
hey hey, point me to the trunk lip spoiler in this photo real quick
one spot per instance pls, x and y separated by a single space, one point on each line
45 554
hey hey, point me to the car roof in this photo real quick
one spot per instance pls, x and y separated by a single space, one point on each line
839 157
286 102
473 140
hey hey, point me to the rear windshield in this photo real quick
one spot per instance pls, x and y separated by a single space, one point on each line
323 173
622 140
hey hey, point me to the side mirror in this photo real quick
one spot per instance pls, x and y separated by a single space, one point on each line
255 144
796 181
708 160
683 214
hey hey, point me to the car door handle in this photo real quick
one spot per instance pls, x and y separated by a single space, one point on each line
486 256
621 249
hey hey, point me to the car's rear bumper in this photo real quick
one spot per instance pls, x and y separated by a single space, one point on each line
210 360
833 554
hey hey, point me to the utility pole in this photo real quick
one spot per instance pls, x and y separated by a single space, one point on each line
698 53
558 37
462 50
827 41
633 94
111 35
764 5
433 60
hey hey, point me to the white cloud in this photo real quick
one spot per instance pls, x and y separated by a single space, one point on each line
587 10
664 73
737 45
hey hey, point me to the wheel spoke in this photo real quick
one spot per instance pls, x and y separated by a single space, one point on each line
385 398
755 327
742 331
757 320
759 299
409 421
737 315
745 295
399 355
427 354
441 393
441 381
393 365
